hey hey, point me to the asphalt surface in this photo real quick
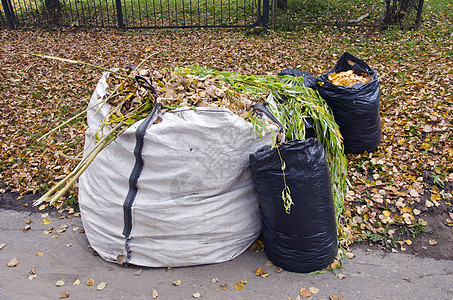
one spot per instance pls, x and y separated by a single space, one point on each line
68 258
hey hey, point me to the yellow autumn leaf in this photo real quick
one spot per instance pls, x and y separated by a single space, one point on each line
90 282
47 221
435 197
426 146
239 284
407 209
366 216
259 271
386 213
435 190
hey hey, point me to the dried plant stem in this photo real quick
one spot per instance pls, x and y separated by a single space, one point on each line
78 115
77 62
81 167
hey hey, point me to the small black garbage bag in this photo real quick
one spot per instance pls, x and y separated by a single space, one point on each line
356 108
309 80
305 240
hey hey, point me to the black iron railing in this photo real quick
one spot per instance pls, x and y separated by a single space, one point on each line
207 13
134 13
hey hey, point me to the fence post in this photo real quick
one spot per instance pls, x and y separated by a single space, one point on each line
8 14
119 13
265 13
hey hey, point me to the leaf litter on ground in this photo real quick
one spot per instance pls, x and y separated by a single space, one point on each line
414 69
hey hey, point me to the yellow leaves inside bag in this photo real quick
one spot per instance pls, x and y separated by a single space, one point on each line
348 78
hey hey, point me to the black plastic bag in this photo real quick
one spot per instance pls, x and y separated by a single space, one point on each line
356 108
309 80
305 240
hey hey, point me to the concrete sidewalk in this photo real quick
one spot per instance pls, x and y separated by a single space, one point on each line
68 257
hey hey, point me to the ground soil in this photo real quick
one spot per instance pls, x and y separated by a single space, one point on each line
436 242
437 229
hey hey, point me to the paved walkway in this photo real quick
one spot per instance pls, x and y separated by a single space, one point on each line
369 275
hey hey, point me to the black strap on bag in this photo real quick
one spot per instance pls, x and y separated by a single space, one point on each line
138 167
144 83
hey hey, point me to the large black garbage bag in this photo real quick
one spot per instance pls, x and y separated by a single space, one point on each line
304 240
356 108
309 80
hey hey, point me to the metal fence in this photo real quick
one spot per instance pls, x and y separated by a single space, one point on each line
133 13
200 13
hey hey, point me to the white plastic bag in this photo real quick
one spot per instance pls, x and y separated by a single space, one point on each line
194 201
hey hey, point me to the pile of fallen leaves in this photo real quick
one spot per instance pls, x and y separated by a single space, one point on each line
348 78
408 179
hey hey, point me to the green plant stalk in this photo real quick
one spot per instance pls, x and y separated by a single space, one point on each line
286 193
300 102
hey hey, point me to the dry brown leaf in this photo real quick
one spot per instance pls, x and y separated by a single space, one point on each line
138 272
120 259
177 282
336 297
269 263
64 294
304 293
259 271
13 262
59 283
101 286
223 286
